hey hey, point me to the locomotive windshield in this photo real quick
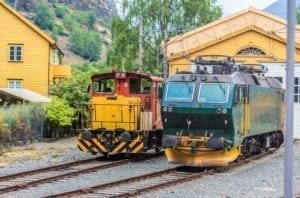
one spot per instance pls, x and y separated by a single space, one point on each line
213 92
180 92
104 85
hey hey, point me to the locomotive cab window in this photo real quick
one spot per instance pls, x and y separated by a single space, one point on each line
104 85
180 91
139 86
213 92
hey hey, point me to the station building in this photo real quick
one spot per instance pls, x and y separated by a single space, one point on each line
251 36
30 61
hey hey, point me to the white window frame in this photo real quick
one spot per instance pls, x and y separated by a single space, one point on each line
15 52
54 57
15 84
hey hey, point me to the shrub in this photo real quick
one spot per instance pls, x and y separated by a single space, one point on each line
21 121
61 11
59 112
58 115
44 17
54 2
86 44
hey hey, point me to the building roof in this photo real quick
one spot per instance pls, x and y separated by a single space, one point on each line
29 23
228 27
24 94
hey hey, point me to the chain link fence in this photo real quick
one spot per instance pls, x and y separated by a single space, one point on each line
21 122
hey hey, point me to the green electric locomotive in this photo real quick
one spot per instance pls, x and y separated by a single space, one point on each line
220 112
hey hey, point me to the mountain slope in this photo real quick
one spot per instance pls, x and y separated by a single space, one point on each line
279 8
73 12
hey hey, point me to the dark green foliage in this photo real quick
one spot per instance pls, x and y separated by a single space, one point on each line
91 19
123 52
86 43
61 11
58 115
54 2
56 31
44 17
175 16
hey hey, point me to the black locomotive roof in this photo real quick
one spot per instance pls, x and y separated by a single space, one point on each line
235 78
218 68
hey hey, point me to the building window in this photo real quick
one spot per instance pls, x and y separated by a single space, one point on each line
54 57
297 90
14 84
251 51
279 79
15 53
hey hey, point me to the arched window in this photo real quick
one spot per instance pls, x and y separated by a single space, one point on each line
251 51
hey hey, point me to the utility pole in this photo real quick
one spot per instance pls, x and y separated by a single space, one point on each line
140 50
165 60
290 50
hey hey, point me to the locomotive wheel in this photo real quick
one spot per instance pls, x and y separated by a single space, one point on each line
157 149
106 155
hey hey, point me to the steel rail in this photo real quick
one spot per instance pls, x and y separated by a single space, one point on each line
166 183
61 176
41 170
38 181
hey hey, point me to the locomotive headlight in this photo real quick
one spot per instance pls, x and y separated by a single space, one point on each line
170 109
219 110
165 109
224 111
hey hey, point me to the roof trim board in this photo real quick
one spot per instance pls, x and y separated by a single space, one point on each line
228 27
27 22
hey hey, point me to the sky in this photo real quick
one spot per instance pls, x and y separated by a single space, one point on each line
232 6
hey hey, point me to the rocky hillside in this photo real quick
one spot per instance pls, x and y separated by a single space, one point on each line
279 8
103 10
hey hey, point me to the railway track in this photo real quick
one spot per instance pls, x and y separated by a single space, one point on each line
22 180
137 185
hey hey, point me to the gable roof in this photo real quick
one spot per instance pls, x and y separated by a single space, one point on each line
27 22
228 27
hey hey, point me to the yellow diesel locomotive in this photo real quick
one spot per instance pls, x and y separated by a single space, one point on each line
124 114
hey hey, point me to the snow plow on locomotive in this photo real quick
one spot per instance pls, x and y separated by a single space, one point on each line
220 112
124 114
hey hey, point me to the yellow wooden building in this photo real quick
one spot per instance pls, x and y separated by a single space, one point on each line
29 58
251 36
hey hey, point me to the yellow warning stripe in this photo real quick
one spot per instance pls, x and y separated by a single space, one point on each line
117 148
134 142
99 145
138 148
87 143
83 148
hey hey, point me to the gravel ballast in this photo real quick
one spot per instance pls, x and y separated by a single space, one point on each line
260 178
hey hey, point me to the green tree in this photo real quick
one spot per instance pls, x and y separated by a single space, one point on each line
44 17
86 43
61 11
174 16
91 19
122 53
